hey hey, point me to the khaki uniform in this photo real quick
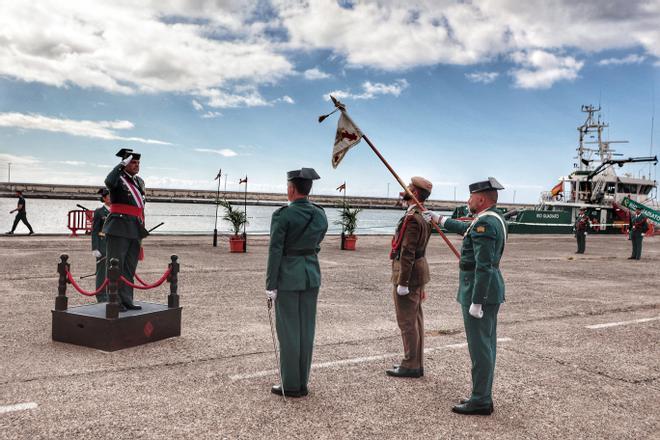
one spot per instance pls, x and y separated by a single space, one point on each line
410 268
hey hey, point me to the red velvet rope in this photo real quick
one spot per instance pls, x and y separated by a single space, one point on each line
84 292
146 286
140 280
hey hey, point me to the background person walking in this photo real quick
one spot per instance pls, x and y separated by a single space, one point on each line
20 214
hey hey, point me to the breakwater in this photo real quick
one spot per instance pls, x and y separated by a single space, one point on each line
167 195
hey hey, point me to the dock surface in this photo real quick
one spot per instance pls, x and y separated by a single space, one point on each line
577 357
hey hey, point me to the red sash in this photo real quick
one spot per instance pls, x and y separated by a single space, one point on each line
134 211
398 238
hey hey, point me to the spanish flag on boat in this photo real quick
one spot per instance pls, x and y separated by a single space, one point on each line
558 188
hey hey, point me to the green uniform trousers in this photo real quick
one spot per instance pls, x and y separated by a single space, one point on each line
482 344
126 250
100 278
581 242
296 322
636 245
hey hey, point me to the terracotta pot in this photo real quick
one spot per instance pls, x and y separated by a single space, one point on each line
349 242
236 244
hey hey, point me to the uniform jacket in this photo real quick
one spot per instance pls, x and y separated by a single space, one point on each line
98 237
639 224
480 279
410 267
123 225
581 224
294 229
21 201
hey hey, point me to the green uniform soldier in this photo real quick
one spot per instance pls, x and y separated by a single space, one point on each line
639 227
99 244
293 279
410 273
580 227
21 214
124 228
481 288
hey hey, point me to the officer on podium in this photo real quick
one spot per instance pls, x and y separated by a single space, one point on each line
124 227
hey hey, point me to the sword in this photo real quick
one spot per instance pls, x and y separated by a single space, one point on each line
97 269
272 333
157 226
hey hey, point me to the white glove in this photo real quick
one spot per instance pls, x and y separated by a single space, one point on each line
430 215
402 290
97 253
585 233
475 311
127 160
271 294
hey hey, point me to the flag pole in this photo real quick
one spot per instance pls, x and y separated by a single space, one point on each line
411 195
343 232
217 201
245 213
342 108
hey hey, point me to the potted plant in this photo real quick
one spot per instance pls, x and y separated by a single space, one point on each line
348 222
237 219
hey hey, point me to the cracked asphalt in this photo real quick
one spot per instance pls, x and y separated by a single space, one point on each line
555 377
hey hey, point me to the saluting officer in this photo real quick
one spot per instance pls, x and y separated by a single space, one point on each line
124 228
481 288
639 227
410 273
580 228
293 279
99 242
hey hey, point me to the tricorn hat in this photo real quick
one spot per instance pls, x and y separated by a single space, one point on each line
125 152
303 173
486 185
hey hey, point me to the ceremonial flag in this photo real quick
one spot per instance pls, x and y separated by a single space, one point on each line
348 135
219 173
558 188
243 180
342 187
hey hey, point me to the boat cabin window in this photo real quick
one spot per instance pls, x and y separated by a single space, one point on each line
627 188
646 189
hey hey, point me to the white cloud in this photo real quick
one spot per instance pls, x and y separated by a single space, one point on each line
129 47
226 152
315 73
542 69
482 77
73 163
286 99
197 106
211 115
92 129
630 59
206 49
371 90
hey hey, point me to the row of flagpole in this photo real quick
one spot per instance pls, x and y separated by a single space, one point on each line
218 177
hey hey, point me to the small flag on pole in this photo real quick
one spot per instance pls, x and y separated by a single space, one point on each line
342 187
558 188
348 135
219 173
242 180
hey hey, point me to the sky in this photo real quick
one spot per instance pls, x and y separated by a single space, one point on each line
454 91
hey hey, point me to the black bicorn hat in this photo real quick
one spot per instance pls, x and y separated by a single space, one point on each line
103 192
125 152
303 173
486 185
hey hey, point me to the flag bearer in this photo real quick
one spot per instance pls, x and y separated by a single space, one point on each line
481 288
410 273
